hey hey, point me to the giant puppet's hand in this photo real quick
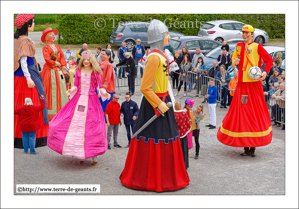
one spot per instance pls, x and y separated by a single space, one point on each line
236 61
163 107
264 74
30 84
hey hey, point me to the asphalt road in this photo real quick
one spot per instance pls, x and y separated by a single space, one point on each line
220 170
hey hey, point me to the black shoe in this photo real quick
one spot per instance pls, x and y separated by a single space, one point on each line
245 154
212 127
208 125
283 128
225 107
196 157
118 146
127 146
132 94
252 155
228 105
221 106
109 147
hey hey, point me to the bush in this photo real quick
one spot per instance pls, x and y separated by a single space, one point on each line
82 28
41 19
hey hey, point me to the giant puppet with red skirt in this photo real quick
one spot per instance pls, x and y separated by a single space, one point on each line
247 123
27 80
155 159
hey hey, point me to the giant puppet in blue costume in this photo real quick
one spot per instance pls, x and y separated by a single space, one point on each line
155 159
27 79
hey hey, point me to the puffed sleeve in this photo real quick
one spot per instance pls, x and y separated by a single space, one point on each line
46 53
148 79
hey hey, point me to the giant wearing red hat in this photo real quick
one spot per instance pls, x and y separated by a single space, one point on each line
247 123
52 74
27 79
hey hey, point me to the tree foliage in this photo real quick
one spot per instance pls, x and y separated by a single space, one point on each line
88 28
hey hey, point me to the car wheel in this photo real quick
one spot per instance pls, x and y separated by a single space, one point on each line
259 40
130 45
219 40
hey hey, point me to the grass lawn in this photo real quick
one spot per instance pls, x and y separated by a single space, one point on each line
276 40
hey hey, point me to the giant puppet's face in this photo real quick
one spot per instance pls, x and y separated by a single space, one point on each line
166 39
247 36
50 37
31 29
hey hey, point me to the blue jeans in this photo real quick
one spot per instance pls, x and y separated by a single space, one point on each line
190 85
136 63
29 139
129 132
121 72
224 92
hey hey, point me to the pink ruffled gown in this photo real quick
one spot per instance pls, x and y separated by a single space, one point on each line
79 129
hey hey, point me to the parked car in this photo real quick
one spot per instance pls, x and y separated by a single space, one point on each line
283 66
273 50
214 54
193 42
130 32
230 31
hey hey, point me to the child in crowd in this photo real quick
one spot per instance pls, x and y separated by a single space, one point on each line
71 64
98 54
212 100
67 80
224 43
204 83
199 116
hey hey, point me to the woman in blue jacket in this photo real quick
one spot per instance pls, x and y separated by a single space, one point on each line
224 78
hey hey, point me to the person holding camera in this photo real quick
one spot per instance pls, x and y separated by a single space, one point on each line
130 71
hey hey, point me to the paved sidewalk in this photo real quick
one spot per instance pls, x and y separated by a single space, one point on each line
220 170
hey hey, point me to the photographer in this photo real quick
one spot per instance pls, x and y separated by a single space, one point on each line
130 71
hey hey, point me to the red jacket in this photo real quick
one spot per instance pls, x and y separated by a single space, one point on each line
113 112
29 117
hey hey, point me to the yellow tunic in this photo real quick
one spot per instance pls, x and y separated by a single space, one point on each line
253 55
155 79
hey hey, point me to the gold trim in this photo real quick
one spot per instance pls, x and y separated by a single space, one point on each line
245 134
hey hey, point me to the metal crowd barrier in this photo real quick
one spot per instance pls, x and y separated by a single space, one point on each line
199 87
123 82
276 109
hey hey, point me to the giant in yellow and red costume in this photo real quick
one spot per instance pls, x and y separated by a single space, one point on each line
247 123
155 159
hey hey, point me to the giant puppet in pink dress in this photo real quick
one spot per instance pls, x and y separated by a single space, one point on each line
78 129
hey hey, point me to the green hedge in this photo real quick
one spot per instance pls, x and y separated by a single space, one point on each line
40 19
80 28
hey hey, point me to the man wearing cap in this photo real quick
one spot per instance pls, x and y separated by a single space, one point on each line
52 74
224 57
247 123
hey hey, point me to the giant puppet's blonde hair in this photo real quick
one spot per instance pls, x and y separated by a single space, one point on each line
93 62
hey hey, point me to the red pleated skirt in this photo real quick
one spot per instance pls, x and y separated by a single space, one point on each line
247 124
155 167
21 91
